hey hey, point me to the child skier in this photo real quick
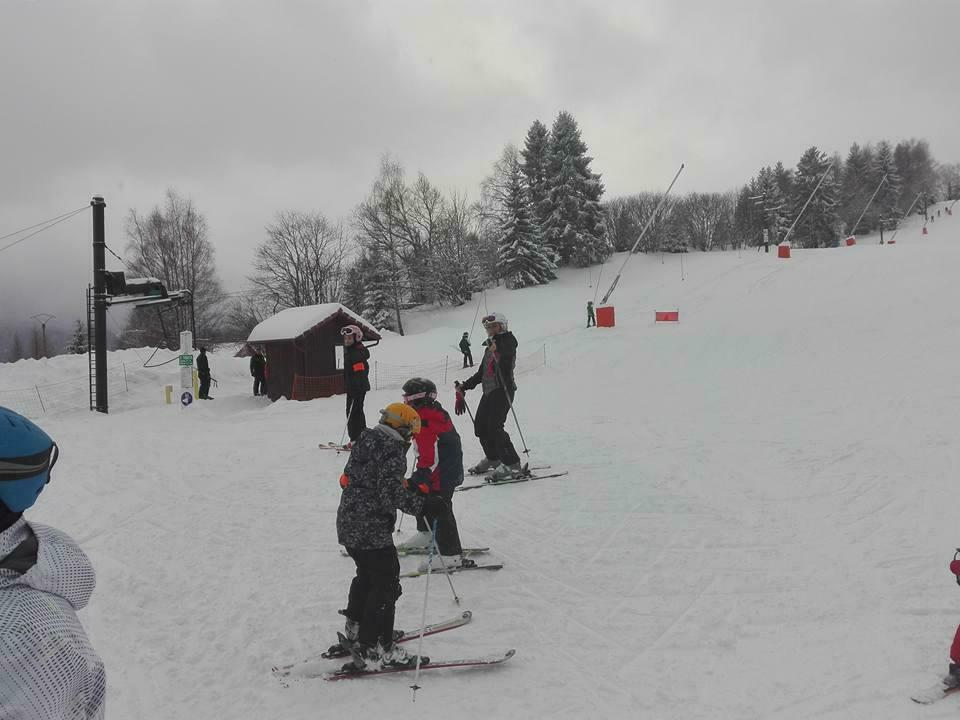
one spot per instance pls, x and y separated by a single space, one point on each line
591 317
496 376
439 470
373 490
465 349
356 380
47 667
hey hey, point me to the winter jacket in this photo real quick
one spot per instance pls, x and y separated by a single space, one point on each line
373 492
439 453
356 369
258 365
465 345
203 364
505 358
48 670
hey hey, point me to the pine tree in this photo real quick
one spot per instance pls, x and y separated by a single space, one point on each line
855 188
773 204
78 343
522 259
885 204
379 299
818 225
536 150
574 230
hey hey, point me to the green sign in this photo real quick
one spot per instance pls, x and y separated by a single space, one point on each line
186 360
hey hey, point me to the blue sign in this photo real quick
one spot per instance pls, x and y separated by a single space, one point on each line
186 398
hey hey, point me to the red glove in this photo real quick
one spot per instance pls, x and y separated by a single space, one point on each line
460 406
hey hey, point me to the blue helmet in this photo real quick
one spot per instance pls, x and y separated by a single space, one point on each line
27 455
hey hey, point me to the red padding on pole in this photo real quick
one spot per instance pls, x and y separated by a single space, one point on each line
924 229
668 316
606 316
851 241
783 251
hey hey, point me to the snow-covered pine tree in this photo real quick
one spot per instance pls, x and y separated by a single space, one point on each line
818 226
78 343
535 153
885 204
773 204
523 260
573 232
856 187
380 299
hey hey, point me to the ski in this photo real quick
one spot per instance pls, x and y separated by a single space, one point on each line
528 467
448 571
524 478
946 687
298 669
425 664
403 552
334 446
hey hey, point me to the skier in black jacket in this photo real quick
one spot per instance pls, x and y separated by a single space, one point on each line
496 376
465 349
258 369
203 372
356 380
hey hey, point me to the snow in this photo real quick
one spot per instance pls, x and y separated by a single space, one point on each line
759 515
294 322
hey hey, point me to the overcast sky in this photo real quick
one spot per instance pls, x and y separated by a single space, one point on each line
254 107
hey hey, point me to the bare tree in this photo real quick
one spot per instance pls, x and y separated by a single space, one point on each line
704 217
302 260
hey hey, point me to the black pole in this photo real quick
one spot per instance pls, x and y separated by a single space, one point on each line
100 301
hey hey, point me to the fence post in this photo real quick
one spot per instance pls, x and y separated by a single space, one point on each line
544 354
446 362
40 399
376 382
125 384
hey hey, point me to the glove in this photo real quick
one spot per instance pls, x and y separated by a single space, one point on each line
460 405
434 505
418 483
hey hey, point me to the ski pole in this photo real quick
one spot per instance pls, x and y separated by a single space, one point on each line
347 424
423 619
496 365
443 564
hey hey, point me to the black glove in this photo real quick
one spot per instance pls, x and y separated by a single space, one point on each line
434 505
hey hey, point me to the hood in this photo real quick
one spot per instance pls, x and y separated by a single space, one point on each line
62 568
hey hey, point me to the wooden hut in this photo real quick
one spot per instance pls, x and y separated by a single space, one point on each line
300 346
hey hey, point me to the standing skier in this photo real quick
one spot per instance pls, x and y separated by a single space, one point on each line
47 667
591 318
439 469
356 380
465 349
373 490
203 372
258 369
496 376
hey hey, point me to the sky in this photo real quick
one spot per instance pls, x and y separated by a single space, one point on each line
250 108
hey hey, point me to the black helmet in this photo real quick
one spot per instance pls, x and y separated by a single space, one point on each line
418 391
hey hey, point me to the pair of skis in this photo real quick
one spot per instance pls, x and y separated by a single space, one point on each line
946 687
527 474
314 667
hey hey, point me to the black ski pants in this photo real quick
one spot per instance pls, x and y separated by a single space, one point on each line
448 536
591 319
259 385
373 594
356 421
488 427
204 389
467 358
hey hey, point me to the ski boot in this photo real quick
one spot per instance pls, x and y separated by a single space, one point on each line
483 467
450 562
507 472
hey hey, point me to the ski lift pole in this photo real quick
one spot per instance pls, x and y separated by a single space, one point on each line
869 203
653 215
906 214
800 214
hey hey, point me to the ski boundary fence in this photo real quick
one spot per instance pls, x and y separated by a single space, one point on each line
69 395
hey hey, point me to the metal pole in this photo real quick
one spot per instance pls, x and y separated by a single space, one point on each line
869 203
613 286
100 301
790 231
906 214
35 387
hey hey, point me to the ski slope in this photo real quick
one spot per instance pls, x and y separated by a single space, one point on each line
757 523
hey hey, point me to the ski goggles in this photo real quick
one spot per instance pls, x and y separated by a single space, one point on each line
490 320
346 331
419 396
29 466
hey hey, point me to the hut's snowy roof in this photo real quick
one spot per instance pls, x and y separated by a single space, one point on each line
294 322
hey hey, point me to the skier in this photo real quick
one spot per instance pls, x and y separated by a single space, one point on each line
591 318
258 369
203 372
48 668
465 349
356 371
496 376
373 490
439 469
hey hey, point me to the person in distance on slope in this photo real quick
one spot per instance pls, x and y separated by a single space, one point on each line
496 377
258 370
465 349
439 469
356 379
373 490
48 668
591 317
203 372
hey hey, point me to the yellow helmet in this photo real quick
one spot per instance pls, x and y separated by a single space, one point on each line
402 418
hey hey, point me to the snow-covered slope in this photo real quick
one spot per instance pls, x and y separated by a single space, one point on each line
757 522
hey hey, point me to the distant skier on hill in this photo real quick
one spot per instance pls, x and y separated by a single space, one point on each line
591 317
496 374
465 349
48 669
439 470
258 369
356 379
203 373
373 490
